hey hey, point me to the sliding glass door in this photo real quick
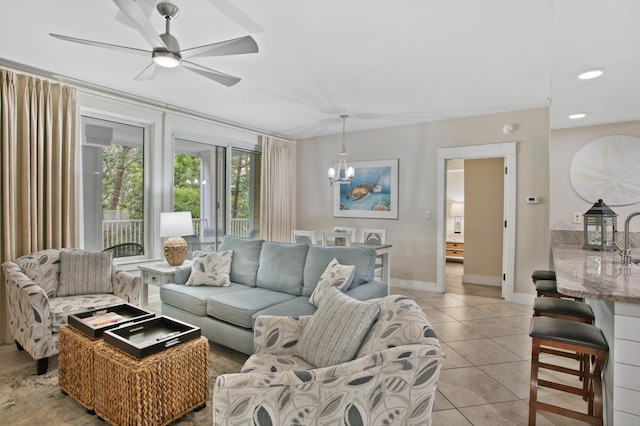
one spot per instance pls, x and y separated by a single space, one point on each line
199 187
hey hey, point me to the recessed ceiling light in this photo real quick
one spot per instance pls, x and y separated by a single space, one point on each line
589 74
577 116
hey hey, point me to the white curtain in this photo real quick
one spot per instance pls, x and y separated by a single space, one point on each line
37 181
276 192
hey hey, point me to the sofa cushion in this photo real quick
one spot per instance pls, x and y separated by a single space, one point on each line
246 258
43 268
335 332
281 267
401 322
318 258
334 275
211 268
238 307
194 299
297 307
85 272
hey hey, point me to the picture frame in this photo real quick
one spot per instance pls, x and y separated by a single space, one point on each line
374 236
373 193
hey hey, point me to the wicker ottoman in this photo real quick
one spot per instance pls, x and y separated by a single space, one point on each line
155 390
75 365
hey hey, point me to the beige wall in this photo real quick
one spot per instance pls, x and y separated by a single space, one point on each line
416 146
484 220
564 144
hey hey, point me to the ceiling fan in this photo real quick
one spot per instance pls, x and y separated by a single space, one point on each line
166 50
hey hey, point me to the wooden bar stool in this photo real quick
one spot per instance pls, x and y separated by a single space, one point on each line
549 288
566 338
564 309
541 274
567 309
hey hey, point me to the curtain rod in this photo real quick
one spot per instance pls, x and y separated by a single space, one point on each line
101 90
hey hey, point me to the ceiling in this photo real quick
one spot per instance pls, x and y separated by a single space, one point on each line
382 63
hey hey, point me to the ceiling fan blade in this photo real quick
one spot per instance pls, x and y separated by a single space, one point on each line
103 45
237 15
148 73
234 46
226 79
147 7
132 9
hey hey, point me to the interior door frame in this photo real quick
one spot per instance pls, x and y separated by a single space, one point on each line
506 150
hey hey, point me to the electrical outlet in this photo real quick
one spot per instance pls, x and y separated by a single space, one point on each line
577 218
427 214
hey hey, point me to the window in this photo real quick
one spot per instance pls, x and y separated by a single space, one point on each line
245 193
113 186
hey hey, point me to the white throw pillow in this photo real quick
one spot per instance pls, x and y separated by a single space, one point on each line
334 275
210 268
336 331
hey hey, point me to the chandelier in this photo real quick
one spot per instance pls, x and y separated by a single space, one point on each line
347 172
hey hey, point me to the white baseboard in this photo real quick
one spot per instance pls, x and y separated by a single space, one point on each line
482 280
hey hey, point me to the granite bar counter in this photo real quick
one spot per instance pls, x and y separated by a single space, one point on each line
595 275
613 291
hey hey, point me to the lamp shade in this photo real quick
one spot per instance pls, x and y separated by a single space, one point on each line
175 224
457 209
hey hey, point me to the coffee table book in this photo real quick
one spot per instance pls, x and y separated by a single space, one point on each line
153 335
95 322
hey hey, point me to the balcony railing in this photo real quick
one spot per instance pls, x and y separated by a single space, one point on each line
116 232
132 231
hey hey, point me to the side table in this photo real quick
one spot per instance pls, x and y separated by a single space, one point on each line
155 390
156 274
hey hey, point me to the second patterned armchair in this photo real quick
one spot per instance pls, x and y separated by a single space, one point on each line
391 380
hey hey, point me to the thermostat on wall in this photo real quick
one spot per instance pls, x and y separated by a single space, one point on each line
532 199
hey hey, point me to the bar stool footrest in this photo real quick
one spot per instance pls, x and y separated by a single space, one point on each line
567 413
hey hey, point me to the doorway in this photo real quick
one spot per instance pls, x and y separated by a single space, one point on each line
506 151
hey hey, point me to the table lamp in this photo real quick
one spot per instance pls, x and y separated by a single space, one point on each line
175 225
457 211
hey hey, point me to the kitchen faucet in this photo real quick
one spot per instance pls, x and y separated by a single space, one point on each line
626 253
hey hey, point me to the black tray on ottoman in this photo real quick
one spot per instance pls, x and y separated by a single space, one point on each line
148 337
93 323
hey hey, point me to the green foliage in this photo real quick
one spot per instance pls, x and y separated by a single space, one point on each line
186 192
187 199
240 180
122 180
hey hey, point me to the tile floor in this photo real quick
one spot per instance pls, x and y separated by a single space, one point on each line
485 377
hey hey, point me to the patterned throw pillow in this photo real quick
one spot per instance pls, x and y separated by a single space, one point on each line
335 275
334 333
211 268
85 272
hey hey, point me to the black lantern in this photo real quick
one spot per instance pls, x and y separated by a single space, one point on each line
600 227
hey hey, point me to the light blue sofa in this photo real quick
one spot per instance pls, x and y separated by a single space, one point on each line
267 278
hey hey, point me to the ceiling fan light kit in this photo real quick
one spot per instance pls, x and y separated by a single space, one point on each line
166 59
165 49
